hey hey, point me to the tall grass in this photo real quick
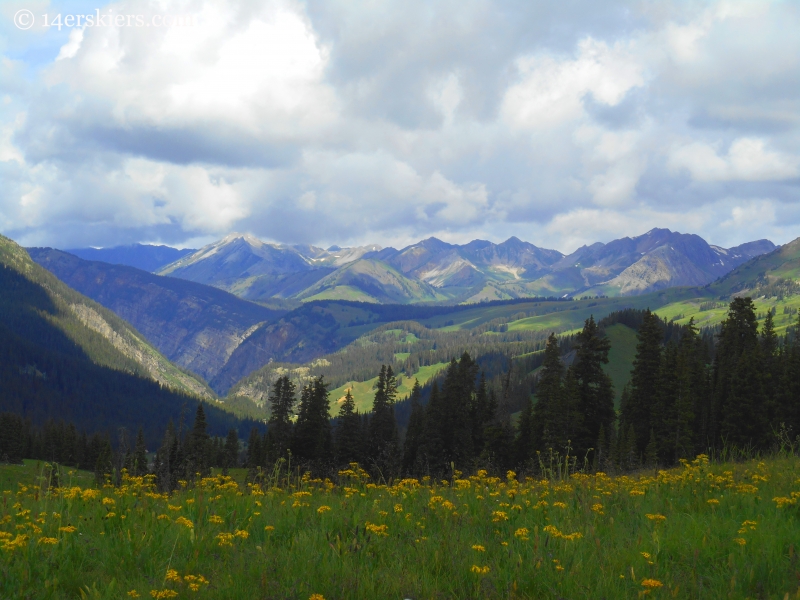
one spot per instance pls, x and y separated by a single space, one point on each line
705 530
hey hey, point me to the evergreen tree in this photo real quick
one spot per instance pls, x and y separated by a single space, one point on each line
312 439
348 432
548 420
230 452
382 425
595 392
139 464
433 447
197 446
255 453
415 433
279 426
644 380
770 375
738 413
482 414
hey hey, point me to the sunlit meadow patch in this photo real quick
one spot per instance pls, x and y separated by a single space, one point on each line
698 531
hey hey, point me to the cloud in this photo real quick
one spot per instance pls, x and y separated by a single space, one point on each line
747 159
340 122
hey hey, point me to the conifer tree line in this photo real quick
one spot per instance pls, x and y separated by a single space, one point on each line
688 393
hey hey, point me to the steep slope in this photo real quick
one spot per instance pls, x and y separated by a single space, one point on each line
370 280
62 356
778 269
472 265
252 269
194 325
142 256
656 260
115 343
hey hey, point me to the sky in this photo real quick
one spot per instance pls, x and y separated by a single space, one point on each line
353 122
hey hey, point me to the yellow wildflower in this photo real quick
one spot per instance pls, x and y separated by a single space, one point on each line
651 583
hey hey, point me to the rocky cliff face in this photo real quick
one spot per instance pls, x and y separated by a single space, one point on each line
196 326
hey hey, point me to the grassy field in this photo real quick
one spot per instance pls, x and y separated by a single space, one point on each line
364 393
699 531
683 310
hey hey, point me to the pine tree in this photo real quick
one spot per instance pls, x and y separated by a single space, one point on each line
312 440
230 452
547 421
348 432
197 448
254 454
651 451
279 426
595 390
383 438
738 416
644 380
770 374
415 433
483 412
433 446
139 463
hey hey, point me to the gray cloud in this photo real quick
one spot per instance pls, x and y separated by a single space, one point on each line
332 122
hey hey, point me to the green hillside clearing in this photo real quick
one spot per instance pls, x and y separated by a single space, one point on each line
364 391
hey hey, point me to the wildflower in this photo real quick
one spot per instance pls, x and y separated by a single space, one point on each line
651 583
185 522
499 515
636 493
133 594
108 502
398 508
740 541
559 504
216 519
713 502
240 533
162 517
480 570
172 575
479 548
657 517
224 539
68 529
323 509
316 597
598 508
48 540
269 528
159 594
522 533
377 529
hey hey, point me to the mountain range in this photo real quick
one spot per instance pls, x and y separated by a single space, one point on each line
197 339
63 356
436 271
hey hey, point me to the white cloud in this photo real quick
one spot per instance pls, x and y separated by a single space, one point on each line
341 122
747 159
551 90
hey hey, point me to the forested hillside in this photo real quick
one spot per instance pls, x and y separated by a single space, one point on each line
196 326
64 357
